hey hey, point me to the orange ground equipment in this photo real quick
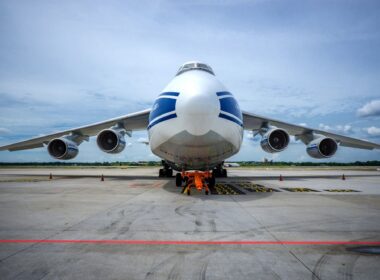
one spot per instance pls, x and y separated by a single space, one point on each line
199 180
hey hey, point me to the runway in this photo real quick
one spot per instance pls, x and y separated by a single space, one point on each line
132 225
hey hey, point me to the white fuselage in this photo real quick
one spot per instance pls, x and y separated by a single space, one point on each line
195 123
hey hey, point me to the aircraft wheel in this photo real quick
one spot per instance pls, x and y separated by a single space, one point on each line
178 179
188 192
211 182
161 173
169 172
224 173
206 192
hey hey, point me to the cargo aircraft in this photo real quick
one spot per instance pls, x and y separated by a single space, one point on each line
194 125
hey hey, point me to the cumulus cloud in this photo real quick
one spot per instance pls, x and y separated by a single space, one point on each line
344 128
325 127
373 131
338 128
370 109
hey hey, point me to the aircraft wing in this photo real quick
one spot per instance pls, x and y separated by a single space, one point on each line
255 122
134 121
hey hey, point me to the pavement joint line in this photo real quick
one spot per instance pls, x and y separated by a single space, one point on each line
299 260
39 241
282 243
261 224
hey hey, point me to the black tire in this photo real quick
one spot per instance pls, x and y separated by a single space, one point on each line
206 192
211 181
188 192
169 172
217 173
161 173
224 173
178 180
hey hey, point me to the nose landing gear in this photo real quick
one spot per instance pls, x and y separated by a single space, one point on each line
200 180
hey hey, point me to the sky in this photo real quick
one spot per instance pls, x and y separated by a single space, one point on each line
65 64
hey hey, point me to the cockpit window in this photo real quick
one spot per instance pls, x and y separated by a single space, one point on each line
194 66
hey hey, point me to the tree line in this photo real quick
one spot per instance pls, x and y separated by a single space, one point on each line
158 163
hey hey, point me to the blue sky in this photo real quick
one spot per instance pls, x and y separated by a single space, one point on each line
68 63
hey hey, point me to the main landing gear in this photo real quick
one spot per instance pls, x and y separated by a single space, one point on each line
200 180
166 171
219 171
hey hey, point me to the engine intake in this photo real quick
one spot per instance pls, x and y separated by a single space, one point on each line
275 140
61 148
322 147
111 141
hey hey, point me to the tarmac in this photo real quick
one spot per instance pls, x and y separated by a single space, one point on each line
133 225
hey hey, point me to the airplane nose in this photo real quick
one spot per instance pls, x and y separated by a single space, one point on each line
198 111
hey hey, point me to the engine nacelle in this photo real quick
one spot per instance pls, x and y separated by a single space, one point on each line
62 148
322 147
275 140
111 141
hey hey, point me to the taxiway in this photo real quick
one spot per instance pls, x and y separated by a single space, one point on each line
311 225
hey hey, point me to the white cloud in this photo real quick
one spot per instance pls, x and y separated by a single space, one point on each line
370 109
4 130
338 128
249 135
325 127
373 131
143 140
344 128
293 140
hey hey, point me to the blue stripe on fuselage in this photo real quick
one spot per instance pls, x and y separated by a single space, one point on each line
171 93
229 105
162 120
223 93
162 106
224 116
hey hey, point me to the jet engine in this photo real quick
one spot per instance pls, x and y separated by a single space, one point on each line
62 148
275 140
322 147
111 141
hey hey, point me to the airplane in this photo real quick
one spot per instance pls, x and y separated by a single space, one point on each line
194 125
231 164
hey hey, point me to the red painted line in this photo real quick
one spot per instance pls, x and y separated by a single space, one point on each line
187 242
